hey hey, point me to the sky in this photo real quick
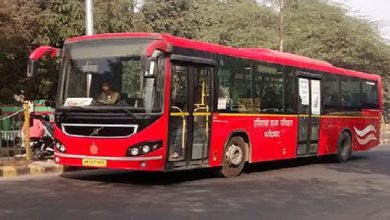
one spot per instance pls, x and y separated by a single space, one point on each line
375 10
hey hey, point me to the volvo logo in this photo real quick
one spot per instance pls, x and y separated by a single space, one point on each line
96 131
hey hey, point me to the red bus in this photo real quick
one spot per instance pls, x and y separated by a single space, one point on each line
155 102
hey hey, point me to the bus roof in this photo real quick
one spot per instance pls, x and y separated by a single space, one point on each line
261 54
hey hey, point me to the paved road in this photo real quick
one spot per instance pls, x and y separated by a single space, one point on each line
298 189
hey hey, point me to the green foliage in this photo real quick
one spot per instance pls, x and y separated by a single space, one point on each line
28 24
17 29
240 24
60 20
114 16
317 29
65 18
131 78
177 17
314 28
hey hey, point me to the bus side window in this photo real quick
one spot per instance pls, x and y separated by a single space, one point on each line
269 87
179 88
331 93
224 90
351 95
370 95
234 85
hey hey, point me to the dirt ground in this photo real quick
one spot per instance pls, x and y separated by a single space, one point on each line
15 162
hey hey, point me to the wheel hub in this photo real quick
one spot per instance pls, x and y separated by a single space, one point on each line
234 155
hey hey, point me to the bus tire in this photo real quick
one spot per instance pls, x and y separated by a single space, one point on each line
233 157
344 148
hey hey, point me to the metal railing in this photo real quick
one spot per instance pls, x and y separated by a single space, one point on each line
11 146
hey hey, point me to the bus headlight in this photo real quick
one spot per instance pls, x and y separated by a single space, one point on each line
134 151
143 148
60 147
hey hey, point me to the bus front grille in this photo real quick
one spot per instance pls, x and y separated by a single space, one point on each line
99 130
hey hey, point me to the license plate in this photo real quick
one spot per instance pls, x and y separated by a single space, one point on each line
94 162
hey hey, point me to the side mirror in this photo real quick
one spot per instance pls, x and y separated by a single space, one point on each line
31 67
38 53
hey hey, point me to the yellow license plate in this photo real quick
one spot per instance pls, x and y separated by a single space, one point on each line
94 162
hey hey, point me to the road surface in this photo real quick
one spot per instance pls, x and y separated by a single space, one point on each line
295 189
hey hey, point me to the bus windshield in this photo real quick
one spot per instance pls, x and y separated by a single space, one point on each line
109 74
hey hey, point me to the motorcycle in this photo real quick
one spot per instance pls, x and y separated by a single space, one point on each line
43 148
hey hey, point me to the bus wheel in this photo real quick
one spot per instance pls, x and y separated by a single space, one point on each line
233 157
344 148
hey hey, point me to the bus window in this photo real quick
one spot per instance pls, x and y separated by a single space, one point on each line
268 85
234 85
179 88
351 97
331 93
370 95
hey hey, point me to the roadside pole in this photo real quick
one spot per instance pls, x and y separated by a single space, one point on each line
27 130
89 31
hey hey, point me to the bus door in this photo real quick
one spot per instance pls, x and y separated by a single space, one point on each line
189 124
309 110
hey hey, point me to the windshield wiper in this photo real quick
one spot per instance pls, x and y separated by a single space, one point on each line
99 102
128 112
84 108
108 108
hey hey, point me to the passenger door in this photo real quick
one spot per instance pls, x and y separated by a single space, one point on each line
191 105
309 111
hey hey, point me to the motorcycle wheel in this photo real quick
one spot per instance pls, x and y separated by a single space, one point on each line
37 154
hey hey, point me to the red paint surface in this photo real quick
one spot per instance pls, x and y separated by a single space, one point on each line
157 45
261 147
332 127
285 147
44 50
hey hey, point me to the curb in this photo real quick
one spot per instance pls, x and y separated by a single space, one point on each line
35 168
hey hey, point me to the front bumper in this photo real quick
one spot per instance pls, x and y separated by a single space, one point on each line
151 163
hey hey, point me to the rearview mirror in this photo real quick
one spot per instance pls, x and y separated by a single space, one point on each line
38 53
31 68
45 50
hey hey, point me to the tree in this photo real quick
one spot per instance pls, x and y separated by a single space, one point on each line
314 28
175 17
17 21
318 29
63 19
241 23
117 16
28 24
